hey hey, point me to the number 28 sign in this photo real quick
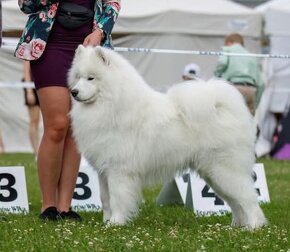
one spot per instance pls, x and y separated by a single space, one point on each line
188 189
13 190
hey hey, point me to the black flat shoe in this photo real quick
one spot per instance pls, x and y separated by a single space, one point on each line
70 215
50 214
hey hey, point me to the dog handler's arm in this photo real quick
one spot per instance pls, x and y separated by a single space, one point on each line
104 21
33 6
111 9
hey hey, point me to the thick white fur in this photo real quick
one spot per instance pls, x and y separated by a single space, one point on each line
133 135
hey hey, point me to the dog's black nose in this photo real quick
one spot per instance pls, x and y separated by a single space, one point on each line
74 92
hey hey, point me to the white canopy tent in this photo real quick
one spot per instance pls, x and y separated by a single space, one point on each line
188 24
12 20
166 24
276 15
276 98
12 17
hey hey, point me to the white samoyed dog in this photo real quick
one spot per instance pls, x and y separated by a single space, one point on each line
132 135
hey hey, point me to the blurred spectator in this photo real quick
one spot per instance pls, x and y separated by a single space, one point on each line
32 103
243 72
191 72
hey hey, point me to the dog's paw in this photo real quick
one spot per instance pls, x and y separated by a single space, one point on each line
251 225
109 224
106 216
117 220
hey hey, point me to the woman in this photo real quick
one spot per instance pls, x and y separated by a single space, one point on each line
50 47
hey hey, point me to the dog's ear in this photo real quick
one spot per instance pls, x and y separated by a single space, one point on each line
102 54
79 49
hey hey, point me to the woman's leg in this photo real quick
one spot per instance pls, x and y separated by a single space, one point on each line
34 116
55 105
69 173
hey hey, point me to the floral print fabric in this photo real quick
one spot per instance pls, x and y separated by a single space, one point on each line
41 18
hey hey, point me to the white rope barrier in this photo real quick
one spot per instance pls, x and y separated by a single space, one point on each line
16 84
8 44
11 44
203 53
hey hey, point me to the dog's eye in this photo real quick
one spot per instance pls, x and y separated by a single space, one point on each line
90 78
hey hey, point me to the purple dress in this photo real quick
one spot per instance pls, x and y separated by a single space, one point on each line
52 67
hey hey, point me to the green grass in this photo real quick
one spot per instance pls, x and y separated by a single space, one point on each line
170 228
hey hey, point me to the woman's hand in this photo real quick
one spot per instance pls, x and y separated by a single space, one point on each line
94 39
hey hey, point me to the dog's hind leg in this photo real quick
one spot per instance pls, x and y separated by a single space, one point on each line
125 196
236 187
105 197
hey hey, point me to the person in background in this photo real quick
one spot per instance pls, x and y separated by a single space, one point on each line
32 103
53 32
243 72
191 72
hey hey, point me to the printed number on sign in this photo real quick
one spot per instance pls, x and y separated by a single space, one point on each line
254 176
186 177
206 194
7 192
87 193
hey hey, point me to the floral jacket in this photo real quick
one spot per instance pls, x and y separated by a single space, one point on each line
41 18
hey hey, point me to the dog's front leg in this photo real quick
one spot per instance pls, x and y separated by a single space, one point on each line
125 195
105 197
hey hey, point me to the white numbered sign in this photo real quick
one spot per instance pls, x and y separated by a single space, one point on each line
13 192
175 191
259 177
87 195
194 193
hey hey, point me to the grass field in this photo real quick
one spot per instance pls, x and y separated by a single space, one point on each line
170 228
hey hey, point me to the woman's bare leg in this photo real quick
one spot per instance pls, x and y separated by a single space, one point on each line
69 173
55 104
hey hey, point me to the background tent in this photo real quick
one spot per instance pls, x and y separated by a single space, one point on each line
13 19
187 24
276 97
168 24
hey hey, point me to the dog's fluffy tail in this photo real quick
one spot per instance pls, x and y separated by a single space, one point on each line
197 98
214 104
